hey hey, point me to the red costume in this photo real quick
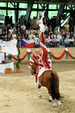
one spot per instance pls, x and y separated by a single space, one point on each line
43 59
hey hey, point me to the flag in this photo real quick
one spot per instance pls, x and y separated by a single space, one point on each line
26 43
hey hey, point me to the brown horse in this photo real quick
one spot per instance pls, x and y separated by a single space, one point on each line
50 80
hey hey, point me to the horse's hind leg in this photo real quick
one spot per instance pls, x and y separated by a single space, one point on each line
58 98
59 102
57 93
39 90
50 98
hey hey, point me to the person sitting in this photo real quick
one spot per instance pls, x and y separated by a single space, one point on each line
71 39
4 36
13 35
66 41
37 41
23 29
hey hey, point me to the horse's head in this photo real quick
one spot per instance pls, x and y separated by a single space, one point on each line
33 65
33 68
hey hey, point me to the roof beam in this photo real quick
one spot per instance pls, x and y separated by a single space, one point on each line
42 1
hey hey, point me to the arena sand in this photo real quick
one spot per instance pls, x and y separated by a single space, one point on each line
19 94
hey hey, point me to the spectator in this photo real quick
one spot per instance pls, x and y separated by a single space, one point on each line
9 36
48 43
23 29
72 39
37 41
21 20
10 20
56 30
4 36
37 21
60 40
13 35
7 19
71 35
10 30
66 41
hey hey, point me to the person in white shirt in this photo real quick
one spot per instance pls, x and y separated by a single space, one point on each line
10 30
23 27
59 39
13 35
37 41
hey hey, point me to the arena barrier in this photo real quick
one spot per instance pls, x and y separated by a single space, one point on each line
65 53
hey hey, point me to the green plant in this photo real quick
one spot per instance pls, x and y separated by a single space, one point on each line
10 57
18 56
17 64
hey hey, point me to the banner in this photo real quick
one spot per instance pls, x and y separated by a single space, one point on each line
1 57
7 65
9 47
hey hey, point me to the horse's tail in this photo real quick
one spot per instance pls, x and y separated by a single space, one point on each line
54 91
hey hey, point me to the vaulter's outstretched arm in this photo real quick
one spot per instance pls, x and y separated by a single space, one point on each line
44 50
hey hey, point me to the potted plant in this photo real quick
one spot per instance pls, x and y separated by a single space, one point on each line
9 70
17 67
18 56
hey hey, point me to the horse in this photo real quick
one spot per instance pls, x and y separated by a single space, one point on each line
50 80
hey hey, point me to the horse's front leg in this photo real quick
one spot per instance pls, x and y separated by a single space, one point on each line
39 90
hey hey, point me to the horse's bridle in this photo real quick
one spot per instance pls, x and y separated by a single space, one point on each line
34 72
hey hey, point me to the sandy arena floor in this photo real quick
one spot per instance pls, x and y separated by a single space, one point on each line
19 94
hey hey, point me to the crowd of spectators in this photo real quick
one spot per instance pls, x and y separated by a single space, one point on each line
55 36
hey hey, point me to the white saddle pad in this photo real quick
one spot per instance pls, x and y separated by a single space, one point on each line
43 69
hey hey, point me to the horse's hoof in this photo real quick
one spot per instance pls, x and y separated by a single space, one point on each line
59 102
54 104
50 100
39 96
